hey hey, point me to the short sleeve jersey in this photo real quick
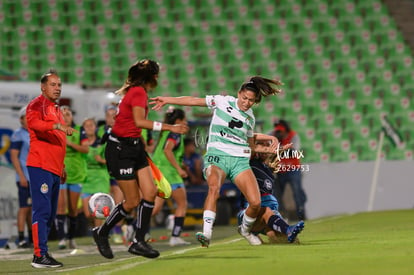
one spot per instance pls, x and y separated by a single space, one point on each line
230 127
124 125
20 140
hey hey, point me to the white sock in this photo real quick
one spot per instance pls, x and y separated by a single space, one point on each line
247 222
208 217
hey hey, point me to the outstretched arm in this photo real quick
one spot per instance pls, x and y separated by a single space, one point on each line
160 101
265 143
142 122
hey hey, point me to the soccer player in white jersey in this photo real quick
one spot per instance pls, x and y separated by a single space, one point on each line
230 144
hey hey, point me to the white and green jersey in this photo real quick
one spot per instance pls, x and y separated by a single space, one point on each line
229 128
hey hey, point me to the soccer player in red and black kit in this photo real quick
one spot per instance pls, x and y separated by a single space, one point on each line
127 160
45 163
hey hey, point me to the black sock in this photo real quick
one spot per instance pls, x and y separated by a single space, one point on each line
72 227
60 226
116 215
178 226
276 223
143 219
21 236
130 220
30 236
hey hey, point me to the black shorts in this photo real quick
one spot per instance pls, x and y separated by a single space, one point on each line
124 156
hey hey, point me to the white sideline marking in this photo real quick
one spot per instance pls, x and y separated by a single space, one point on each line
132 265
332 218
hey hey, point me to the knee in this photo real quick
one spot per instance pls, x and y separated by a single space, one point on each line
255 205
129 205
149 194
183 205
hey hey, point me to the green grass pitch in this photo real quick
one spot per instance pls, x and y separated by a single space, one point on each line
364 243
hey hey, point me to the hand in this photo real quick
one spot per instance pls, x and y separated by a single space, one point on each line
179 128
23 182
182 173
97 158
273 140
63 177
158 102
274 144
273 163
286 146
69 143
68 130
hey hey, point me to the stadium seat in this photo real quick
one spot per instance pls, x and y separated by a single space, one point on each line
333 56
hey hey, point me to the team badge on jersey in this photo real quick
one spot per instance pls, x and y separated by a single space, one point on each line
268 184
212 102
44 188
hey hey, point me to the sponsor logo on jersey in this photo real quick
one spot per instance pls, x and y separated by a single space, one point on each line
230 136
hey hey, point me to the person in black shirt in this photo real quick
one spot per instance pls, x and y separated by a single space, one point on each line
269 220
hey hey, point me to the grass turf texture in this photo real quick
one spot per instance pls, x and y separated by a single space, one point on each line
364 243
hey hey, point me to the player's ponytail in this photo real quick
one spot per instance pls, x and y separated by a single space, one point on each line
262 87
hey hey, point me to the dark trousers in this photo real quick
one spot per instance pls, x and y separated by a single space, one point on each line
44 187
294 179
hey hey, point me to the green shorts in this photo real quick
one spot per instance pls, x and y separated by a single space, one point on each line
232 166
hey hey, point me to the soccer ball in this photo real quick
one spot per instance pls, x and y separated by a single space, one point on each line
101 205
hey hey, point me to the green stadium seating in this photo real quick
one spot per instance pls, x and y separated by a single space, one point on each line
339 60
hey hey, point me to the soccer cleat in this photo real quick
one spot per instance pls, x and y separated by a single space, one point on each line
117 238
72 244
102 243
45 261
23 244
294 230
176 241
148 238
128 233
62 244
251 238
205 242
143 249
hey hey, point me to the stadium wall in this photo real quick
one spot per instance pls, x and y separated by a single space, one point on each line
335 188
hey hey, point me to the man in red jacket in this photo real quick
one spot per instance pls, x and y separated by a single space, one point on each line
290 169
48 132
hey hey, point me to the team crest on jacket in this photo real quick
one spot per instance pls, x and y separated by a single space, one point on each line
44 188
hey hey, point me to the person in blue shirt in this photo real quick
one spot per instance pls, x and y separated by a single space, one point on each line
193 164
19 148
